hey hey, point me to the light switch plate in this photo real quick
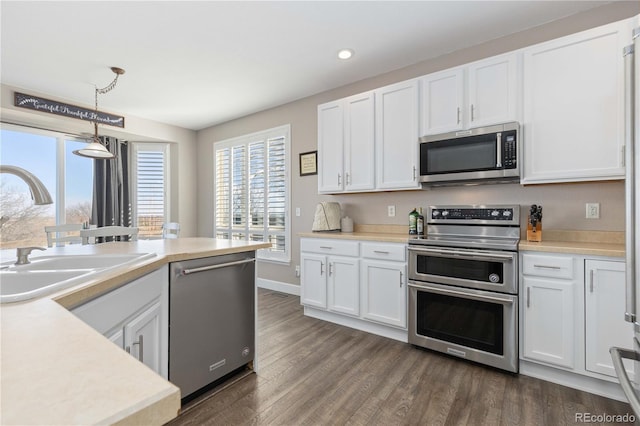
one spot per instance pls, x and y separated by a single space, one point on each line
391 211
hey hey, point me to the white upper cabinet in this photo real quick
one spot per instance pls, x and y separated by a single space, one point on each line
493 90
346 144
330 146
573 107
442 102
477 94
359 146
397 136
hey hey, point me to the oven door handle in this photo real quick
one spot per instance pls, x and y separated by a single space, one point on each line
468 254
462 294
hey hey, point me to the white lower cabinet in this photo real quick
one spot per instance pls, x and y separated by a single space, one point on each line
549 320
604 315
136 318
356 279
384 296
573 312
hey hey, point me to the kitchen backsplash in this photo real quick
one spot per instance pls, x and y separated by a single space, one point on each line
564 204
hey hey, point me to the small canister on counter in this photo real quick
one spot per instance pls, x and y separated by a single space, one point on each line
346 224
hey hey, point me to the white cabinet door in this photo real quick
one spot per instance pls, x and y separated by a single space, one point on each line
142 336
313 280
397 136
549 321
604 315
442 102
384 292
573 107
359 147
330 147
344 285
139 308
492 88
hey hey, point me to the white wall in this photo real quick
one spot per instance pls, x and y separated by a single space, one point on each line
563 204
183 149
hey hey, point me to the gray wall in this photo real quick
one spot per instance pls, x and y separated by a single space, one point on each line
564 204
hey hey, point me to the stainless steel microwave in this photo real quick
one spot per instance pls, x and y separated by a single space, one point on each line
482 155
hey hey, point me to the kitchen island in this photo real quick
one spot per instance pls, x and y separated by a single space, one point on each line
55 369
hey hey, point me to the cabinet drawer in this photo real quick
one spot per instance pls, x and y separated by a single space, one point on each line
548 266
335 247
395 252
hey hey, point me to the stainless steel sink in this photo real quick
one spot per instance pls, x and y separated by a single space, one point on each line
48 274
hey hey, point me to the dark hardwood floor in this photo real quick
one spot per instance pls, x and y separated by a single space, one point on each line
313 372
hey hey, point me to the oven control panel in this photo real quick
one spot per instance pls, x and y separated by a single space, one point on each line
497 215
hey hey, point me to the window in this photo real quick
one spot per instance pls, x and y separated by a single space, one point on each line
150 171
67 177
251 184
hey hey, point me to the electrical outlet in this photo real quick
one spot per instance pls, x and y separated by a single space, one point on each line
298 211
593 211
391 211
297 270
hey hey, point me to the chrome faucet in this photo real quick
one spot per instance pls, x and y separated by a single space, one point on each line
22 253
39 192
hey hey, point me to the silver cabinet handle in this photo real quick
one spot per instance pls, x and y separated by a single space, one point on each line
321 268
348 179
140 344
616 356
499 150
339 179
556 268
591 280
400 279
381 252
212 267
472 112
326 247
414 172
458 116
528 297
330 269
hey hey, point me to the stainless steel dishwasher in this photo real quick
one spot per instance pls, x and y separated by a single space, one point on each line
211 319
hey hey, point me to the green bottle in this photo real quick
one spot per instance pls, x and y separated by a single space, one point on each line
420 223
413 222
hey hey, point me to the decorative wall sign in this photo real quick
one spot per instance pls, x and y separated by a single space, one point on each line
60 108
309 163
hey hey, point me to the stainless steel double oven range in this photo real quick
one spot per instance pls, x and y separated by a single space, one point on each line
463 284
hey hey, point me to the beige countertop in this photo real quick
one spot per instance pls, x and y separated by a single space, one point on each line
55 369
595 243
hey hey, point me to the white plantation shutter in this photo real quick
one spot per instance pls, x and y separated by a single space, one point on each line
252 190
150 188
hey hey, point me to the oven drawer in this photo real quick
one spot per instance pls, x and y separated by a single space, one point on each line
334 247
395 252
548 266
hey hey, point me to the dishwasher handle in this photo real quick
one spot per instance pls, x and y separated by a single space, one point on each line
212 267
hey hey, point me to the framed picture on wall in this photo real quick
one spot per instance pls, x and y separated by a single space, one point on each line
309 163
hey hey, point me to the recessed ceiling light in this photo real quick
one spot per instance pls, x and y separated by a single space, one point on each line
345 53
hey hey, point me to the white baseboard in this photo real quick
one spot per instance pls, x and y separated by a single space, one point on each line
573 380
278 286
358 324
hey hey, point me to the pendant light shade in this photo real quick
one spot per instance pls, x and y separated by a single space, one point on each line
95 149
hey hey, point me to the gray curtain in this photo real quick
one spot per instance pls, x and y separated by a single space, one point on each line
111 189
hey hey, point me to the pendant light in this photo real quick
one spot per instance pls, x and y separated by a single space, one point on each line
95 149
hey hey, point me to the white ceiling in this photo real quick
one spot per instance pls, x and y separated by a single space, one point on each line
198 63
